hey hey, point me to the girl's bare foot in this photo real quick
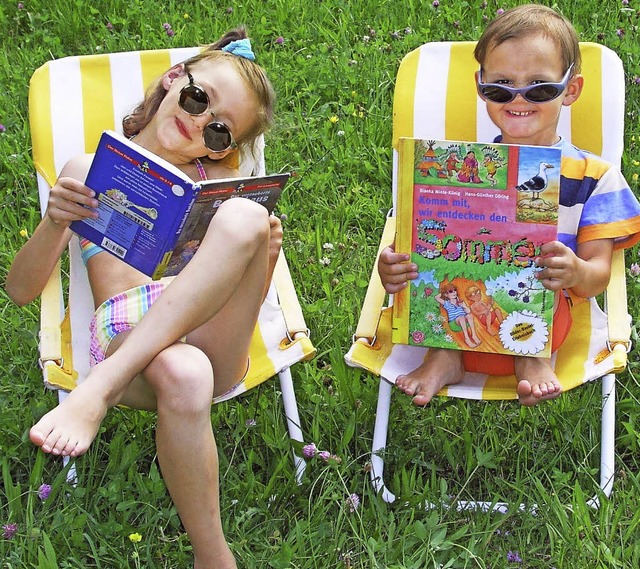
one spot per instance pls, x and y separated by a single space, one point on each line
441 368
536 380
70 428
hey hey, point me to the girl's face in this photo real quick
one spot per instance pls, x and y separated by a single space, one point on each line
452 293
229 98
520 62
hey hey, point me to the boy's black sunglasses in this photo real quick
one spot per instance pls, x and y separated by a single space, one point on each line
194 101
536 93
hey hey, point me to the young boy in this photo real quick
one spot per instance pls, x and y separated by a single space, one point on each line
529 69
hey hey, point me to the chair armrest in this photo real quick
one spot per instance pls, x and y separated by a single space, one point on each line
288 299
618 321
374 298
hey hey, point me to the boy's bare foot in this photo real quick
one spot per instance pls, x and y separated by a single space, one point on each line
441 368
536 380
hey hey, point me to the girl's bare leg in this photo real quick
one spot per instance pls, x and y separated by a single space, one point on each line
232 256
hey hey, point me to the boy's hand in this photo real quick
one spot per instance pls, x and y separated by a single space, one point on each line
395 271
586 273
67 200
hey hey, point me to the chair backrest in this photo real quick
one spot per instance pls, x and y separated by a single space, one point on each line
435 98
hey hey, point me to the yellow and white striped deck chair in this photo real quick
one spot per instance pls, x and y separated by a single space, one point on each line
71 101
435 98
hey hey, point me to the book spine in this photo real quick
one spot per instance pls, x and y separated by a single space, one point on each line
404 234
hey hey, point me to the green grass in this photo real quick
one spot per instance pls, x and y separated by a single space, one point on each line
338 59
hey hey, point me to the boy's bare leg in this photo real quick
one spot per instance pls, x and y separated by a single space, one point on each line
536 380
441 368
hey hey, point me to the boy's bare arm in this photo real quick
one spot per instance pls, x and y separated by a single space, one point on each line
586 274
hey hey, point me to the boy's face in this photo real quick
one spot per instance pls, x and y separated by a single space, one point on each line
518 63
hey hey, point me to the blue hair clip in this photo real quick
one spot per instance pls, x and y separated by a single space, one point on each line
241 48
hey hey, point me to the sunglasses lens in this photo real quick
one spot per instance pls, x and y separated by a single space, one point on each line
542 93
496 94
193 100
217 137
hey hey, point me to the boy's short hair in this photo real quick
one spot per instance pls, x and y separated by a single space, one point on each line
532 19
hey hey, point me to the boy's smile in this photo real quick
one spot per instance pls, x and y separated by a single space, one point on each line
526 61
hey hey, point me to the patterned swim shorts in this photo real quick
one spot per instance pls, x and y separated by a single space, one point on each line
118 314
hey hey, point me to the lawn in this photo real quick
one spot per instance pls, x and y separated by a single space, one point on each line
333 65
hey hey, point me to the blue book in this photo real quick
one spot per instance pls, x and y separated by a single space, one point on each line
152 215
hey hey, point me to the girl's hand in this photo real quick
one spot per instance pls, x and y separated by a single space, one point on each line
67 201
275 237
395 270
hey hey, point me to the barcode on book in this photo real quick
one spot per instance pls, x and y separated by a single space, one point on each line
113 247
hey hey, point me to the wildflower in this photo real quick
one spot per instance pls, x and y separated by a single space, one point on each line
20 6
333 119
513 557
279 40
24 233
135 538
408 31
634 177
483 5
109 26
325 261
166 26
186 16
353 502
171 33
620 32
636 162
625 2
340 133
634 269
229 10
395 35
250 423
2 128
309 451
636 80
365 39
9 530
324 455
328 246
436 3
44 491
500 11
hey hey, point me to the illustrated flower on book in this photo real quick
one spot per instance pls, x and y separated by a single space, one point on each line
524 333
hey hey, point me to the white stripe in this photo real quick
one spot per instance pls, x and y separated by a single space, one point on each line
613 106
179 54
66 110
128 90
431 91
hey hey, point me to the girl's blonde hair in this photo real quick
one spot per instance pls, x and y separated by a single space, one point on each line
251 73
527 20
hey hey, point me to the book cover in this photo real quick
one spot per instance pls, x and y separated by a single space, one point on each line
151 214
473 217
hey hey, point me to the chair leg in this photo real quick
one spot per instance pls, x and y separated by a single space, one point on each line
293 418
607 439
72 474
380 440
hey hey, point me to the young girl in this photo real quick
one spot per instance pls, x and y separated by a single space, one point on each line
192 342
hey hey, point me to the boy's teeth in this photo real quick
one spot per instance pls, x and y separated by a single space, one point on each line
520 114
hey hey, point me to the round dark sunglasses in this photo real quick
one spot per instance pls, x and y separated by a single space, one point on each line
536 93
194 101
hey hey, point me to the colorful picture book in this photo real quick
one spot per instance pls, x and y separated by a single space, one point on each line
152 215
473 217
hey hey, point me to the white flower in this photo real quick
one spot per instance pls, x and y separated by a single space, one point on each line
328 246
524 333
325 261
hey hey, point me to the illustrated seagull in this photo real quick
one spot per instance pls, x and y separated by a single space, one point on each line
536 184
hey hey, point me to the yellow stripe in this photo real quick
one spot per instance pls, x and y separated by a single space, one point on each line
41 127
97 98
404 96
461 100
587 110
154 64
260 365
